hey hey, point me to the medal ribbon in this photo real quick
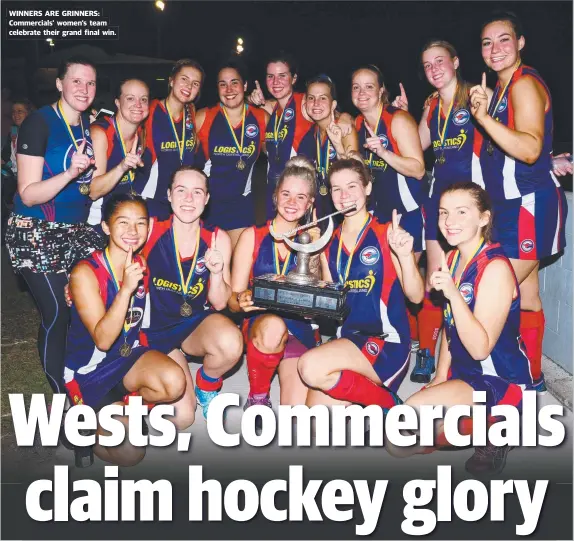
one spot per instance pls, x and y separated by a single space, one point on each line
376 132
358 242
185 286
180 143
442 135
276 259
239 147
320 161
70 133
278 121
453 266
123 147
109 266
492 112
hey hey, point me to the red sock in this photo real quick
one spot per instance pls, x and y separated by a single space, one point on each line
261 368
430 322
126 400
413 325
532 333
206 383
353 387
464 429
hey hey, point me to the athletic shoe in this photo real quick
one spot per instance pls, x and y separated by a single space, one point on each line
396 398
424 367
415 345
539 385
257 400
204 398
488 460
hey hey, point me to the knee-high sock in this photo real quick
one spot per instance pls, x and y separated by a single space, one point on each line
353 387
532 332
413 325
261 368
430 322
207 383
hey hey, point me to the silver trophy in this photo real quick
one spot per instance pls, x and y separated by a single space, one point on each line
300 291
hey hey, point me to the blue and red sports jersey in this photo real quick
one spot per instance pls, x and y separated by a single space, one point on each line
165 150
69 205
461 163
375 298
508 358
165 291
263 262
507 178
114 156
391 190
285 130
82 355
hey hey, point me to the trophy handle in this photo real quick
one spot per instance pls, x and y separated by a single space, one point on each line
312 247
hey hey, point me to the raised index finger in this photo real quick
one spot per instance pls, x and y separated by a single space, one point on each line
403 93
396 218
135 145
443 262
129 256
369 129
213 244
483 83
257 85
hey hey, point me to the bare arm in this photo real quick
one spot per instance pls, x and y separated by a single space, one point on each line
241 269
424 130
411 161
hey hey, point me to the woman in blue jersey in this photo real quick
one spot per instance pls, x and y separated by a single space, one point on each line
232 135
516 161
274 341
189 266
120 148
172 133
368 361
46 232
447 125
105 359
481 348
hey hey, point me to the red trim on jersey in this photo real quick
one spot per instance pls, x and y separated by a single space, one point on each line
302 125
432 107
482 263
372 356
203 133
259 234
149 128
527 231
157 230
387 118
389 272
259 115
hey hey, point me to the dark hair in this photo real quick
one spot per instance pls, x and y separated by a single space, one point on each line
237 65
284 58
183 168
25 102
462 88
184 63
301 167
482 200
351 164
118 199
70 61
506 16
325 79
380 79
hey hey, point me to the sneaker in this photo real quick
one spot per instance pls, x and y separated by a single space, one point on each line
257 400
539 386
424 367
488 460
415 345
204 398
397 400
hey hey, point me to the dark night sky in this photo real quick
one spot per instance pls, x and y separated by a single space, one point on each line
333 38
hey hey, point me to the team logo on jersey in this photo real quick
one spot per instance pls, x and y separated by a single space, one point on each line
161 284
140 292
134 316
251 130
88 151
461 117
527 245
87 132
200 267
451 142
365 285
288 114
384 140
370 255
467 292
173 145
503 105
372 348
332 153
248 151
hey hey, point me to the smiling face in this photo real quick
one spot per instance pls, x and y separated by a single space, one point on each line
279 80
78 87
231 88
128 226
19 113
186 84
133 103
293 198
500 45
188 195
347 188
365 90
319 102
439 67
460 219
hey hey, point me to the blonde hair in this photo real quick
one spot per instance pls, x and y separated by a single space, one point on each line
300 167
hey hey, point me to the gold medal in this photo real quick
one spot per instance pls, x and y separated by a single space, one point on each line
441 159
185 310
240 165
125 350
490 148
323 190
84 188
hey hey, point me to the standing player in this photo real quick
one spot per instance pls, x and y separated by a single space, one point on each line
105 360
189 279
274 341
481 348
232 134
172 133
122 160
368 361
516 161
47 232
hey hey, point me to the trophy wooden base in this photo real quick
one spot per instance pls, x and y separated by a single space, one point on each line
325 299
